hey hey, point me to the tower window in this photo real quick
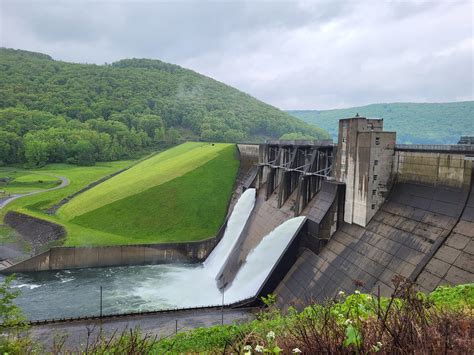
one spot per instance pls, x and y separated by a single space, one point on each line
375 177
377 140
373 206
374 192
376 162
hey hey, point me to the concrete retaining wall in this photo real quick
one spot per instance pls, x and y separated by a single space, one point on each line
433 168
248 151
58 258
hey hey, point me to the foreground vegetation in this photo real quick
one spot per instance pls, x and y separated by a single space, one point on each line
58 112
415 123
407 322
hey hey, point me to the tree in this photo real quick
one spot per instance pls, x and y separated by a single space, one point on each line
173 135
84 153
50 106
36 152
12 321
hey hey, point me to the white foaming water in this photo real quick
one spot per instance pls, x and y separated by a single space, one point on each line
192 286
236 223
195 286
30 286
261 260
153 287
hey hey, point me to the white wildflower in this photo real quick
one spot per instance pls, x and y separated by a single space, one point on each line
377 346
348 321
259 349
341 293
357 292
340 315
271 336
296 351
247 347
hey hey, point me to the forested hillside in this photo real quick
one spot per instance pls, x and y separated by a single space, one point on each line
52 111
417 123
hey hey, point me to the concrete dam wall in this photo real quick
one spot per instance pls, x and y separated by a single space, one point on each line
402 239
433 165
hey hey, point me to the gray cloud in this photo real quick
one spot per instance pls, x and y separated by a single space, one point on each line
294 54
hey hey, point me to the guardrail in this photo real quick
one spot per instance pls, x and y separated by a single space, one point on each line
441 148
236 305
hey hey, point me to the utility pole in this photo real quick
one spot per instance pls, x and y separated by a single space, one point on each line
100 301
222 309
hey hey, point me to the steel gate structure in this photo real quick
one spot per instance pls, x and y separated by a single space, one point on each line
286 166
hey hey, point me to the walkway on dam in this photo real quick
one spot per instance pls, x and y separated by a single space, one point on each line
161 325
423 233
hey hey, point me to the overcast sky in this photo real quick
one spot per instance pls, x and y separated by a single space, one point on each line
294 55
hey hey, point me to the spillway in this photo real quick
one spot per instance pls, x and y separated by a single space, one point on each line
72 293
235 225
261 260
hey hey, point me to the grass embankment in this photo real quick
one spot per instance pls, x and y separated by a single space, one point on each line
151 172
178 195
188 189
79 177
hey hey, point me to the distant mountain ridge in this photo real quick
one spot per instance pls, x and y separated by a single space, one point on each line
415 123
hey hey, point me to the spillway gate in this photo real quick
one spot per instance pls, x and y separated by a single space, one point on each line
286 166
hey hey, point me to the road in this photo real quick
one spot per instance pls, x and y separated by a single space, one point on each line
161 325
6 201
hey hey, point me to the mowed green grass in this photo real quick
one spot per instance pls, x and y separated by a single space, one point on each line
192 185
161 168
190 206
79 177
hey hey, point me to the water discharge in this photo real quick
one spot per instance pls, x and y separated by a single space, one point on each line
261 260
72 293
236 223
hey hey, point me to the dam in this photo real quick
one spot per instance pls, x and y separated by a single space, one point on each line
307 220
